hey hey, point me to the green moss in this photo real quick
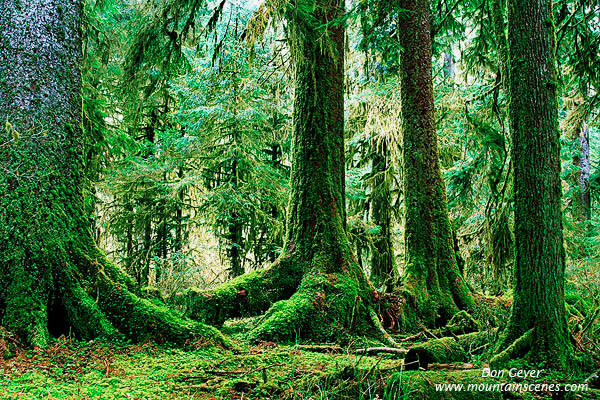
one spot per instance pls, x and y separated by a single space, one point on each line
422 386
325 308
578 303
431 271
246 295
140 319
518 349
108 371
444 350
462 322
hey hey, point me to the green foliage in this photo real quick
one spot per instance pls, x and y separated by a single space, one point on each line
115 371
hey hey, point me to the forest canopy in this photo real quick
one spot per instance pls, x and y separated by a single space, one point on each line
299 198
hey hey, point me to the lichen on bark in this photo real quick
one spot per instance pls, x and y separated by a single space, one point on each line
56 279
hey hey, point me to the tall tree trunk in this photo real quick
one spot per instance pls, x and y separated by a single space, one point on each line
431 272
538 313
383 269
333 295
234 227
581 200
53 273
275 152
143 276
162 240
179 228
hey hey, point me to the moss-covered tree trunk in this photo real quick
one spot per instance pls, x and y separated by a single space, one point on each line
539 303
53 276
383 269
330 294
431 272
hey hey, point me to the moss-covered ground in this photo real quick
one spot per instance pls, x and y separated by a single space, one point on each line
71 369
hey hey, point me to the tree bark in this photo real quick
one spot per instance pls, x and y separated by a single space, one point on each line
431 272
53 274
539 302
330 294
581 200
383 269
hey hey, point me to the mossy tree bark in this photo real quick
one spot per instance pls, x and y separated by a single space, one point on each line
330 294
431 272
539 302
383 269
54 277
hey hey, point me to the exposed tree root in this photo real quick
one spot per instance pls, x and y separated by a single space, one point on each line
517 349
326 307
247 295
103 306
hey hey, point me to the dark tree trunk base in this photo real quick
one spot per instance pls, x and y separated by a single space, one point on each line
106 307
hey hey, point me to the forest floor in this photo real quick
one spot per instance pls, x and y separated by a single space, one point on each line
74 370
70 369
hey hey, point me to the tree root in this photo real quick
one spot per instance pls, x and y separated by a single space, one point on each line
247 295
517 349
385 336
324 308
83 292
140 319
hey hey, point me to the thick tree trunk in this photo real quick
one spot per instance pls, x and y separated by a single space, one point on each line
330 294
431 272
539 302
53 274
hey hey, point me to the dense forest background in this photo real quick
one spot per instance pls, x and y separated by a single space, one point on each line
189 139
287 188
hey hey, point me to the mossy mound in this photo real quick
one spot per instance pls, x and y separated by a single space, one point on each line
326 307
444 350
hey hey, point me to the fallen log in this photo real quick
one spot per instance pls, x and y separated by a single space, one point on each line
444 350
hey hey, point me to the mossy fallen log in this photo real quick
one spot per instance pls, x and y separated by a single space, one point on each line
448 349
462 322
444 350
